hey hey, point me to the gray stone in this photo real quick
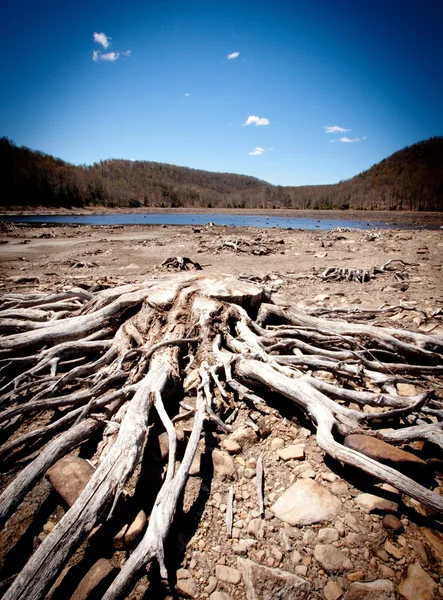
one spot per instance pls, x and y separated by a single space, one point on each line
381 589
306 502
416 584
264 583
327 535
227 574
69 476
331 558
374 504
97 574
223 464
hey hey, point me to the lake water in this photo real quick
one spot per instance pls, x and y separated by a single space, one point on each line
260 221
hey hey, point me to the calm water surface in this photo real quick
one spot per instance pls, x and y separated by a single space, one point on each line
202 219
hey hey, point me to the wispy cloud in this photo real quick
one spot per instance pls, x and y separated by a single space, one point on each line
253 120
335 129
108 57
346 140
103 39
233 55
257 151
187 95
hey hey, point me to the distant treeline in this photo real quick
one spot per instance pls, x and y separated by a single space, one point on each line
410 179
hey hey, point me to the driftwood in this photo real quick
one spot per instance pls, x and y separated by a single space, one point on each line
121 353
180 263
363 275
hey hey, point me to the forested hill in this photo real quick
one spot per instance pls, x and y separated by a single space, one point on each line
410 179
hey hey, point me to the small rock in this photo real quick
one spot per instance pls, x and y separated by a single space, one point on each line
416 584
211 585
245 436
393 550
227 574
371 504
332 591
380 589
331 558
327 535
306 502
69 476
263 582
393 523
187 587
435 539
97 577
277 443
355 576
256 528
126 537
292 452
231 446
222 463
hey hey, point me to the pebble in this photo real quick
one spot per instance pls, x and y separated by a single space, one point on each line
392 523
292 453
332 591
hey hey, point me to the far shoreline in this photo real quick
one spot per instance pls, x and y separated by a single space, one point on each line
394 217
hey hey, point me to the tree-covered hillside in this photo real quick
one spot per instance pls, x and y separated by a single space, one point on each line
410 179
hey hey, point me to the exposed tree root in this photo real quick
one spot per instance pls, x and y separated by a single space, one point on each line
126 350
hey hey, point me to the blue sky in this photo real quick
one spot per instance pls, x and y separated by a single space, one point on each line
297 92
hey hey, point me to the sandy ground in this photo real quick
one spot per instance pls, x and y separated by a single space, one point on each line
53 258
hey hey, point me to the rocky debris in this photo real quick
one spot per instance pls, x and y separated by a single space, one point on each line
223 464
98 576
306 502
393 550
69 476
265 582
406 462
381 589
129 534
374 504
332 558
416 584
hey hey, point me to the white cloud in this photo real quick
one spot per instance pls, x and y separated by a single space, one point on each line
346 140
108 57
187 95
257 151
233 55
335 129
126 54
253 120
103 39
